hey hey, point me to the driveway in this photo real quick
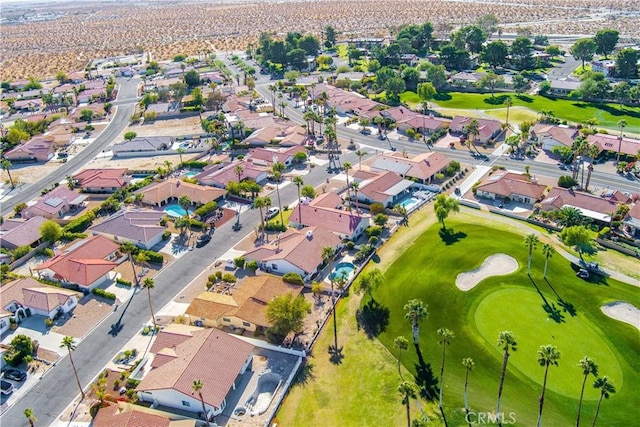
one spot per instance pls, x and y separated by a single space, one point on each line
34 328
565 69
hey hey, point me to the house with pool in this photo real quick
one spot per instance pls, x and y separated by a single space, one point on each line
421 168
182 354
140 227
244 308
101 180
511 186
167 192
387 188
222 174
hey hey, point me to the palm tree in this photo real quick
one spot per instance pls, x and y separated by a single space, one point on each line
298 182
468 364
328 253
472 130
547 251
589 367
416 310
149 284
6 165
197 388
401 344
547 355
277 169
408 391
569 216
185 202
508 103
446 335
70 345
443 205
577 147
260 202
530 241
622 123
181 151
402 211
606 389
506 340
130 249
238 170
347 167
360 155
28 413
355 186
594 151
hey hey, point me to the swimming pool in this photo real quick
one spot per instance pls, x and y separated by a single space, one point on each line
175 211
343 269
409 202
191 174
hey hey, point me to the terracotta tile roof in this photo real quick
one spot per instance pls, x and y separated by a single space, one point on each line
629 146
217 176
28 292
385 184
486 127
39 147
422 166
172 335
211 356
123 414
327 200
302 248
507 184
142 225
15 232
84 262
248 302
563 134
559 197
101 178
634 212
55 201
162 191
322 211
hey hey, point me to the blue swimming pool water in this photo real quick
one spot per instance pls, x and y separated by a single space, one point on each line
191 174
343 268
175 211
407 203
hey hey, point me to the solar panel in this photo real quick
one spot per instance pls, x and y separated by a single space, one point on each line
54 202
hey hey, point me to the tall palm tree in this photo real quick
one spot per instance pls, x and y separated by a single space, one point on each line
328 253
181 151
238 170
6 165
622 123
197 388
70 345
415 311
401 344
360 155
547 355
347 167
185 203
577 147
408 391
130 249
28 413
594 151
506 340
547 251
299 182
277 169
149 284
468 364
446 335
531 242
589 367
355 186
472 130
606 389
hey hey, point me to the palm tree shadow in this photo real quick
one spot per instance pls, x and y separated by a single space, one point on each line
336 355
449 237
373 318
566 306
425 379
554 313
305 374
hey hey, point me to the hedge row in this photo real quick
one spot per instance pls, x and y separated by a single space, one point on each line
102 293
80 224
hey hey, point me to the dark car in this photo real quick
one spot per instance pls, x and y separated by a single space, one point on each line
203 240
15 375
6 387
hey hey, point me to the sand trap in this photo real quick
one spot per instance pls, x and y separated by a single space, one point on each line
624 312
494 265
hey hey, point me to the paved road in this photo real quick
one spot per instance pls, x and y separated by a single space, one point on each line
127 96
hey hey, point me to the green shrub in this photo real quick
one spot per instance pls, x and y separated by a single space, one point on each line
439 176
380 219
48 322
206 209
566 182
350 245
218 275
123 282
194 164
239 262
80 224
604 232
411 133
102 293
68 236
198 225
166 235
376 208
229 278
154 257
275 226
373 240
293 278
373 231
253 265
21 251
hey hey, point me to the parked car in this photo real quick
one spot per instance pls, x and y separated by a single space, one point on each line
271 213
6 387
15 375
203 239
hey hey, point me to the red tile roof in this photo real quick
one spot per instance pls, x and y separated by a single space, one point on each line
486 127
101 178
28 292
559 197
507 184
629 146
377 189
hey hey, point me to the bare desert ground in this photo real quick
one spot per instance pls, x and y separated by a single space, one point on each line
39 40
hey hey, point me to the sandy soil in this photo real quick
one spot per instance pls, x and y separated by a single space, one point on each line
494 265
624 312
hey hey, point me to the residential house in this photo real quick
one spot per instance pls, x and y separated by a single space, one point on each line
550 136
489 129
598 209
325 211
421 168
42 300
87 263
101 180
513 186
244 308
164 192
97 109
38 149
563 87
20 232
267 157
125 414
212 77
612 143
604 66
409 59
61 135
385 187
221 175
90 95
142 144
351 76
631 223
209 355
141 227
281 134
163 109
295 251
366 42
56 204
406 119
28 105
466 79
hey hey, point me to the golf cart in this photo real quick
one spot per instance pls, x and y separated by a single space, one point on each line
583 273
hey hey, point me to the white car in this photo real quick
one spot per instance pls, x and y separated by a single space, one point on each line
271 213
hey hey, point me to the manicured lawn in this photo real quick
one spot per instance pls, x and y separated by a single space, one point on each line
572 111
410 98
427 270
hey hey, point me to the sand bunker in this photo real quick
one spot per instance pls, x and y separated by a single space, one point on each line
623 311
494 265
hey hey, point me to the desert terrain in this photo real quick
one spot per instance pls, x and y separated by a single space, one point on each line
40 39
